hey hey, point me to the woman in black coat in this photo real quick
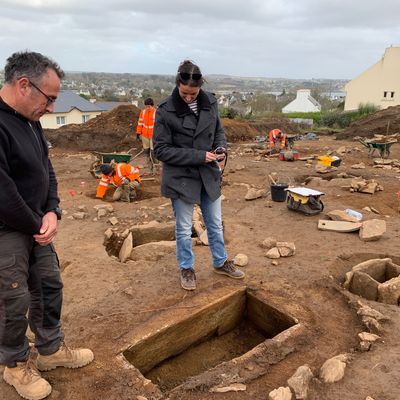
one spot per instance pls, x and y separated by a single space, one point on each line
187 132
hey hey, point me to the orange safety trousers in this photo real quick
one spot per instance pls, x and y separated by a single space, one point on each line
122 171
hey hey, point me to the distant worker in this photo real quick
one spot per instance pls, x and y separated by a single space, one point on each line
145 126
277 136
123 176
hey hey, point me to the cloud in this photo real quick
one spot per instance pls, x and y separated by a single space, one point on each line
275 38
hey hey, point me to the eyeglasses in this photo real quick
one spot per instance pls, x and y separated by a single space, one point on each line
50 100
185 76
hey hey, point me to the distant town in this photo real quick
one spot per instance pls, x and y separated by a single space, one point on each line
240 93
230 90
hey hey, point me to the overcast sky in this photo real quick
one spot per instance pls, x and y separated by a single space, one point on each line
307 39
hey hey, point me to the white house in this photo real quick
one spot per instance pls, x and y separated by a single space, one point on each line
70 108
378 85
303 102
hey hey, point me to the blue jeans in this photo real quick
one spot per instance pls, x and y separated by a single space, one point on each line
211 211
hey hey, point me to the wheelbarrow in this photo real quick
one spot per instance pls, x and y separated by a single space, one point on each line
290 139
106 158
382 147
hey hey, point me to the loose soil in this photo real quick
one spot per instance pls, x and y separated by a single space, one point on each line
109 306
113 131
383 122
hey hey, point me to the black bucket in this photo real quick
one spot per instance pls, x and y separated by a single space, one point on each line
278 192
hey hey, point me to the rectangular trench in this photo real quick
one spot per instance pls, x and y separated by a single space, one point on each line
228 328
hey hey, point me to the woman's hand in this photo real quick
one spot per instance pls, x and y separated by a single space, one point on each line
210 157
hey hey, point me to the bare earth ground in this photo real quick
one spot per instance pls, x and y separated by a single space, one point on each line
109 305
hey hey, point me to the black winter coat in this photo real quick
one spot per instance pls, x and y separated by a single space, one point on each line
28 183
181 140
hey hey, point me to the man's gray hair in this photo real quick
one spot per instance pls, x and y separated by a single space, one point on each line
30 64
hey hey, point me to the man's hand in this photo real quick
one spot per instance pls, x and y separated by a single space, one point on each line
48 230
125 181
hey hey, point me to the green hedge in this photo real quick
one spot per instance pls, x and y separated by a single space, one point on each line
331 119
336 119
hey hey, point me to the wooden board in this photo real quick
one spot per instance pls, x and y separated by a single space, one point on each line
338 226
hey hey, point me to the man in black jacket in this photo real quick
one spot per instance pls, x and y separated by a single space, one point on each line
29 271
187 136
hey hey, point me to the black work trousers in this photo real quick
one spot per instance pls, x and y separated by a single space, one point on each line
30 292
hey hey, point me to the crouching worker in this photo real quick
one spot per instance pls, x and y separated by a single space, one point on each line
276 136
123 176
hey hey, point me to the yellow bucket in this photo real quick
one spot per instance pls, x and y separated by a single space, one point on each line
328 161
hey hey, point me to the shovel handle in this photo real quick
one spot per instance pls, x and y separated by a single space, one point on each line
272 179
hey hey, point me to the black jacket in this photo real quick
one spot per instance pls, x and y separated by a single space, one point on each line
181 140
28 185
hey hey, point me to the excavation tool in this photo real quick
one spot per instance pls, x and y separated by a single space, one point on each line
304 200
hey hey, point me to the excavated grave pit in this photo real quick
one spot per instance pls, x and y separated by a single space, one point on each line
376 279
225 330
148 189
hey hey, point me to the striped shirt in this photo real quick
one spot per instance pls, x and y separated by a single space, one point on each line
193 107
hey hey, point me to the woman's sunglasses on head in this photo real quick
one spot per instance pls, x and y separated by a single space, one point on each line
187 76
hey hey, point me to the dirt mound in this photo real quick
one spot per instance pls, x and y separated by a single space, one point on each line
110 131
114 131
374 124
245 130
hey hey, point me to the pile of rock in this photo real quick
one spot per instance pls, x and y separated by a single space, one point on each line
298 384
365 186
277 249
370 230
387 164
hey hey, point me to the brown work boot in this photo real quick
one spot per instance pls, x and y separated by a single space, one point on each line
229 269
27 381
188 279
65 357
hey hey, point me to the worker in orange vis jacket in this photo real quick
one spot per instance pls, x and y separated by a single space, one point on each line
276 136
123 176
145 125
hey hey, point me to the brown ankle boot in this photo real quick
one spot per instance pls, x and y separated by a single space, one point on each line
65 357
27 381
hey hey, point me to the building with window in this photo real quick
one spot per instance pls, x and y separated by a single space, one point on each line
70 108
378 85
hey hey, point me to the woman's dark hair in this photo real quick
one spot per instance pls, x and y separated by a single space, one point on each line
149 102
189 74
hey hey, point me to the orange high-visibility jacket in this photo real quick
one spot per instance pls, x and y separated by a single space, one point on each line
276 135
122 171
146 122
